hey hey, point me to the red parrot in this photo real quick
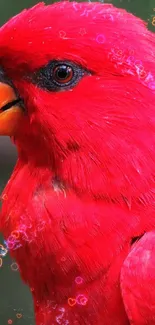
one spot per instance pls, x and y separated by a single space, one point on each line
77 91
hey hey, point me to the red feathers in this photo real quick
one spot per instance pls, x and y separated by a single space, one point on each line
83 187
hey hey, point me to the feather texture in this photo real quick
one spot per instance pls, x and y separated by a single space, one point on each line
83 186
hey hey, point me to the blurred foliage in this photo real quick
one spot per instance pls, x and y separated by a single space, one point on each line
16 298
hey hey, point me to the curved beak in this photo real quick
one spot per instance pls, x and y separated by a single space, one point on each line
11 111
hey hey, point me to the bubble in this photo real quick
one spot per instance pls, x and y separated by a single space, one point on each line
60 318
10 321
131 52
130 59
32 289
138 64
71 302
119 53
12 243
3 251
75 6
151 85
100 39
153 21
14 267
4 197
62 309
81 300
108 16
19 315
15 234
1 262
82 31
79 280
62 34
54 305
47 28
85 13
142 74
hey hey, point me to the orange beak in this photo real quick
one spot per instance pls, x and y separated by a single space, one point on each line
11 111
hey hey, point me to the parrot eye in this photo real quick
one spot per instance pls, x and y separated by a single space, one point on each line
59 75
63 74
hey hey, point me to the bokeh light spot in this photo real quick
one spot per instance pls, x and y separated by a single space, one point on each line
14 267
1 262
62 34
19 315
3 251
100 39
81 300
71 302
10 321
79 280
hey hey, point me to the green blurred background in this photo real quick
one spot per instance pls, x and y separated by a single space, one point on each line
15 299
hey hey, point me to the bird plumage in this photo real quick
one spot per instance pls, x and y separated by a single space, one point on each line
83 186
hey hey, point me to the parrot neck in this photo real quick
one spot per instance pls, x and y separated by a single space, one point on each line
46 229
35 151
87 173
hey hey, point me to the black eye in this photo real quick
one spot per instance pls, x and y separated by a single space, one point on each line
59 75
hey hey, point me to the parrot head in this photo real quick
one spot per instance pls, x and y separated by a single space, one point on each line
77 90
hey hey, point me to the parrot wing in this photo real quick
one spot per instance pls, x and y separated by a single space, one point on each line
138 281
